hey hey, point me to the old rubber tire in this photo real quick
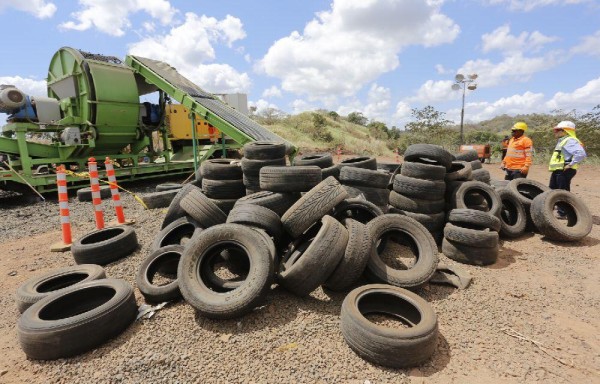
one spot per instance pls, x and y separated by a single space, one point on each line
460 170
430 152
419 188
223 189
256 216
252 167
313 257
414 235
397 347
579 218
221 169
202 209
331 171
359 162
321 160
168 187
469 255
353 263
104 246
423 171
176 233
390 167
470 155
162 199
165 258
512 216
481 175
474 219
276 202
413 204
431 221
264 150
470 187
235 303
476 164
526 190
39 287
77 319
290 179
471 237
364 177
175 211
358 209
85 194
311 207
378 196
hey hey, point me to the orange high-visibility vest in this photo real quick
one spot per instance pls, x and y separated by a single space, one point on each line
518 155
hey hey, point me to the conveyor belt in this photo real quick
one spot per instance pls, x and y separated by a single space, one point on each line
208 101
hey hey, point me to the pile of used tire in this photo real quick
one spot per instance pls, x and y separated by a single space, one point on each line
222 253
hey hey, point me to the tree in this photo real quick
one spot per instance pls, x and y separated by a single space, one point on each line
318 120
357 118
428 119
334 115
378 130
270 116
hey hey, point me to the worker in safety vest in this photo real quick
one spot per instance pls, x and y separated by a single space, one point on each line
567 156
517 161
505 146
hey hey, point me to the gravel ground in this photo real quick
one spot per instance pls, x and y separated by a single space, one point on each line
549 292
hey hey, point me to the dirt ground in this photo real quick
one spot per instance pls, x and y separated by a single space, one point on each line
548 292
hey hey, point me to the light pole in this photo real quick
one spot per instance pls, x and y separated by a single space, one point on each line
465 83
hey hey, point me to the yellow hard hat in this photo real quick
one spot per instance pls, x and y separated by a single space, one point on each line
566 125
519 126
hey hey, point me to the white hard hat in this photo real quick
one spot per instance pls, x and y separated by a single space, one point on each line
565 125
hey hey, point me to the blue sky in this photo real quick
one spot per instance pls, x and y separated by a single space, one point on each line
379 57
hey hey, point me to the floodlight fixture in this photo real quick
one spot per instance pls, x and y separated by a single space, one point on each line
464 83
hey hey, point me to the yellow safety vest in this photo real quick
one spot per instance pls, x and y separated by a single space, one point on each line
557 161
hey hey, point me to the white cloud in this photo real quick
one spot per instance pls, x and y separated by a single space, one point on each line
299 106
528 5
29 86
441 70
189 46
219 78
39 8
432 91
273 91
528 102
350 45
501 40
402 114
585 96
112 16
512 68
590 45
261 106
379 101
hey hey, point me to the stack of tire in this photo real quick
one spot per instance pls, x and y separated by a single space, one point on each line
82 301
321 160
471 237
419 190
257 155
222 181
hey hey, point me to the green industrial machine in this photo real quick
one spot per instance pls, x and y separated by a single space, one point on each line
93 109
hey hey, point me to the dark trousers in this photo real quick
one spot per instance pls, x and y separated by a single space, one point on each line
504 153
562 179
512 174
